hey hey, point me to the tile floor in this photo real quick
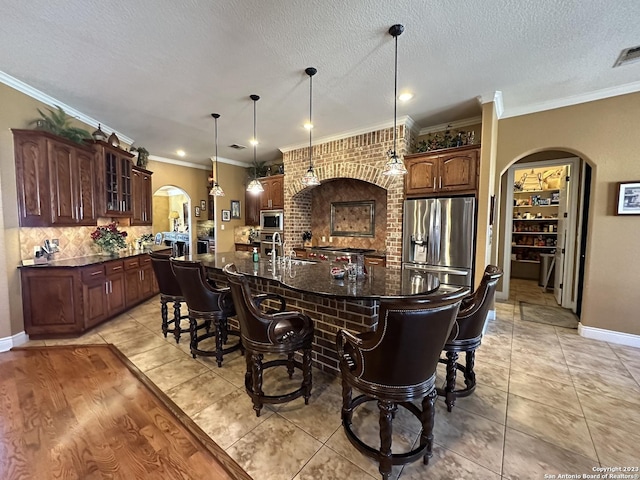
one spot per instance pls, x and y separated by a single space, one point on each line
547 402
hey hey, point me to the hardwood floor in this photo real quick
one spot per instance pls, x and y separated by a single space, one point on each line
82 412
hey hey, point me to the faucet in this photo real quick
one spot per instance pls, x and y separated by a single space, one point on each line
274 242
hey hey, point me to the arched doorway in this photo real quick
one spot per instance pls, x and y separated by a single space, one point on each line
544 207
171 217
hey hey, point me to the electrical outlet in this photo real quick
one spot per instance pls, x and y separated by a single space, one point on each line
222 227
56 242
36 250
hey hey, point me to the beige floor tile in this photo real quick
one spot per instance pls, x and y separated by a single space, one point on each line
230 418
611 411
123 334
140 343
171 374
288 450
233 369
90 338
200 392
552 425
470 435
157 356
494 376
446 465
549 368
33 343
495 355
484 401
615 447
630 356
529 457
553 394
590 382
598 359
329 465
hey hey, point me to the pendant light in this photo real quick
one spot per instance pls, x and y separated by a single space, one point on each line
310 179
254 187
216 190
395 165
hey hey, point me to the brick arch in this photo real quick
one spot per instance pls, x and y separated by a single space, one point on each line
356 171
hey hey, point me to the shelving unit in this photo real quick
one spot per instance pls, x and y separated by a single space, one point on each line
535 225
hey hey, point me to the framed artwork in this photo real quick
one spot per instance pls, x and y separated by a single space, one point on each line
353 219
197 211
235 208
203 205
628 198
226 215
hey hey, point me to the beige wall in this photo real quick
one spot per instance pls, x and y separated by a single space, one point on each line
603 133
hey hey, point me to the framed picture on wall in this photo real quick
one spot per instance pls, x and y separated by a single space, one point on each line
628 198
235 208
226 215
203 205
197 214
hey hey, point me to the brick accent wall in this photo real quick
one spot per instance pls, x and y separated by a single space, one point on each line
360 157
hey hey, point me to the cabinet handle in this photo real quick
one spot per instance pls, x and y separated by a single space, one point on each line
97 272
106 288
440 185
434 183
116 268
110 286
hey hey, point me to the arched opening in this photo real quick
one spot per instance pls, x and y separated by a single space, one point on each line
172 219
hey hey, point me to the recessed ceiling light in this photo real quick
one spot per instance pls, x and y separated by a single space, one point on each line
308 126
181 153
405 97
253 141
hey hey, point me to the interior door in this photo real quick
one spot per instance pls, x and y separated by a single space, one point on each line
563 223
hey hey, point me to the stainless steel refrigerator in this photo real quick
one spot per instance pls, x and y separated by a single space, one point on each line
439 237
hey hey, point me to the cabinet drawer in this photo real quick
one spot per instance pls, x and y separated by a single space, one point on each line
144 260
114 267
95 272
131 263
374 261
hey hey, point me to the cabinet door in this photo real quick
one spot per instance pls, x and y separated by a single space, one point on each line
137 207
124 171
87 175
116 298
146 281
251 209
277 192
422 174
147 199
132 286
265 197
62 183
94 295
458 171
31 180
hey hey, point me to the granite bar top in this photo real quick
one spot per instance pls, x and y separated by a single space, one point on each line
310 277
91 259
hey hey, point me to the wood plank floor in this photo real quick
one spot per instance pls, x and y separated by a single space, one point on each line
85 412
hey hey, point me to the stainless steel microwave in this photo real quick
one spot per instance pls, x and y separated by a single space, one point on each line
272 220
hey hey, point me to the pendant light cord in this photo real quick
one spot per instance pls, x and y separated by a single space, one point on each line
310 116
395 100
255 98
216 121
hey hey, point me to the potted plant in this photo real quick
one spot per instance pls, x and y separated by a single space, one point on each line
109 239
143 156
58 123
306 238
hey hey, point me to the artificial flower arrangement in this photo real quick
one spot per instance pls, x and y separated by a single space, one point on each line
109 238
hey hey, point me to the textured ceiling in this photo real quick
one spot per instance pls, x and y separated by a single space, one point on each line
155 70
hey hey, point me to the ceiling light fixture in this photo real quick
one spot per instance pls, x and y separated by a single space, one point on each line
181 153
405 97
395 165
216 190
254 187
310 179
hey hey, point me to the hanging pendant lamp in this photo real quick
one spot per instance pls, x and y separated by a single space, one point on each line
254 187
216 190
310 179
395 165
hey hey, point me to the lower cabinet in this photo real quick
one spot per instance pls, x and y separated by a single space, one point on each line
66 301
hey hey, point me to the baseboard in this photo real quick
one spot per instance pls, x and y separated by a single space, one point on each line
7 343
610 336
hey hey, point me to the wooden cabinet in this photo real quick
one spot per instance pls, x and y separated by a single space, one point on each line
301 252
55 180
244 247
138 279
371 261
252 209
114 183
273 195
142 196
453 170
66 301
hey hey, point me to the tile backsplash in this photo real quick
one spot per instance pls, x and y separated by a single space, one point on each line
74 241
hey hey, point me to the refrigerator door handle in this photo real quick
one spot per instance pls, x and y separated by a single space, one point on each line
435 268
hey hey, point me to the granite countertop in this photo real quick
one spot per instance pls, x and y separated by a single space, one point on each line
310 277
91 259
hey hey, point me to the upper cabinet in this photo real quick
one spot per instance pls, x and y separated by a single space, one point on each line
114 181
273 195
142 196
443 171
54 180
251 209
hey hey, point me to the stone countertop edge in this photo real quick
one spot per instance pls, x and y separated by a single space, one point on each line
91 259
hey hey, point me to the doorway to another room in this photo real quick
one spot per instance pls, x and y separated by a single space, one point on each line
543 243
171 218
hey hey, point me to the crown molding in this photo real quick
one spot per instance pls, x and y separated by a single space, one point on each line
573 100
180 163
405 120
52 102
455 125
229 161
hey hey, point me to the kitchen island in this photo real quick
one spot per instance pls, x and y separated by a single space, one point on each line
332 304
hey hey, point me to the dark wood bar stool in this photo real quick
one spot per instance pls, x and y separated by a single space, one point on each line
396 365
276 331
211 306
169 292
466 336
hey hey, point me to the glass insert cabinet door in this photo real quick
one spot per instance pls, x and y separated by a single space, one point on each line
118 183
